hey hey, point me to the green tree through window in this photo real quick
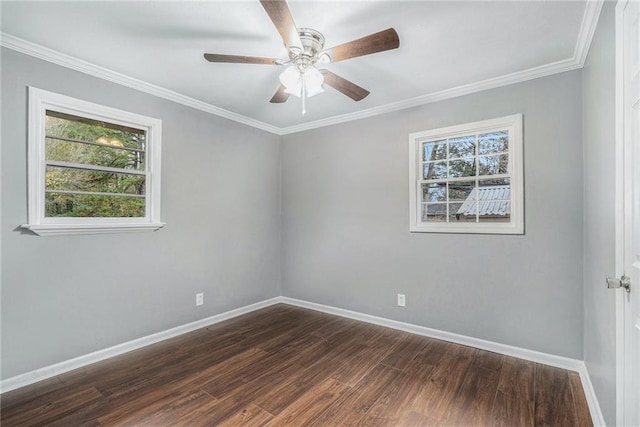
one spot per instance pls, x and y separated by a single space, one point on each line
94 169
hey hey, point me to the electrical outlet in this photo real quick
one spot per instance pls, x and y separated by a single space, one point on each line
199 299
402 300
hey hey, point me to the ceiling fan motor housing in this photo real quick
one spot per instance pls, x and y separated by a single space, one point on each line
312 44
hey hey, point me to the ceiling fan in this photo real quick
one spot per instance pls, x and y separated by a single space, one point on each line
306 49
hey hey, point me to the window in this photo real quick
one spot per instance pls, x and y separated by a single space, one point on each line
468 178
92 169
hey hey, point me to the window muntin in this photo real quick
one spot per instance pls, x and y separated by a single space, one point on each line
91 168
468 178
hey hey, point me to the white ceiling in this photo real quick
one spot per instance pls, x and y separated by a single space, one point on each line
443 45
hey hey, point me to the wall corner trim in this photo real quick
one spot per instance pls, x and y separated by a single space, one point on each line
522 353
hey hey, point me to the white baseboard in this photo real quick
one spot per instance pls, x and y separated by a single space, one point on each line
87 359
590 394
521 353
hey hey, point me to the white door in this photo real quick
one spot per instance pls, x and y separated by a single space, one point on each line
628 24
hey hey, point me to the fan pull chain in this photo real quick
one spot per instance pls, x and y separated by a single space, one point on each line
304 92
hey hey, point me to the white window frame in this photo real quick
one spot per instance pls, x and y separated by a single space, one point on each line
39 102
512 124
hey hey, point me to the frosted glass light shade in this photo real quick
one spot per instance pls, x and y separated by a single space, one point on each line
291 79
313 80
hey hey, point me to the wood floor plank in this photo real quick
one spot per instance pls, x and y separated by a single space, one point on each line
24 395
50 405
179 374
404 352
340 349
332 326
295 351
279 397
229 379
488 360
386 338
514 403
249 417
289 365
360 365
311 404
473 404
553 397
188 409
152 369
437 396
249 393
397 398
353 405
414 419
433 352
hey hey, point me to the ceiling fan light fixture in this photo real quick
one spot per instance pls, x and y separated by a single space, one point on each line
292 80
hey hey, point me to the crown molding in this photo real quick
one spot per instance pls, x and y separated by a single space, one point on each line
509 79
587 30
583 43
59 58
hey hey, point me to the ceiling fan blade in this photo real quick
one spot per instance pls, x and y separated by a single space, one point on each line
240 59
281 17
344 86
280 96
378 42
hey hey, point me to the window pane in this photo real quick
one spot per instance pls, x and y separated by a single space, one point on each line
436 150
74 152
493 182
494 200
435 170
59 178
462 147
436 192
460 190
434 212
455 215
462 167
495 142
493 165
495 211
73 127
81 205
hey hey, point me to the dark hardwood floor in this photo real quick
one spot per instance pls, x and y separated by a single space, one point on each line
285 365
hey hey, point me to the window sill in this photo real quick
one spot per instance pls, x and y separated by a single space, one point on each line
475 228
75 229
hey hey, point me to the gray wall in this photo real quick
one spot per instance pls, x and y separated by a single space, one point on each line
345 226
67 296
599 228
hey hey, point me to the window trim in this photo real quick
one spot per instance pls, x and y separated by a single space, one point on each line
512 124
39 102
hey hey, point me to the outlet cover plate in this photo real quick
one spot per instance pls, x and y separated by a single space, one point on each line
402 300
